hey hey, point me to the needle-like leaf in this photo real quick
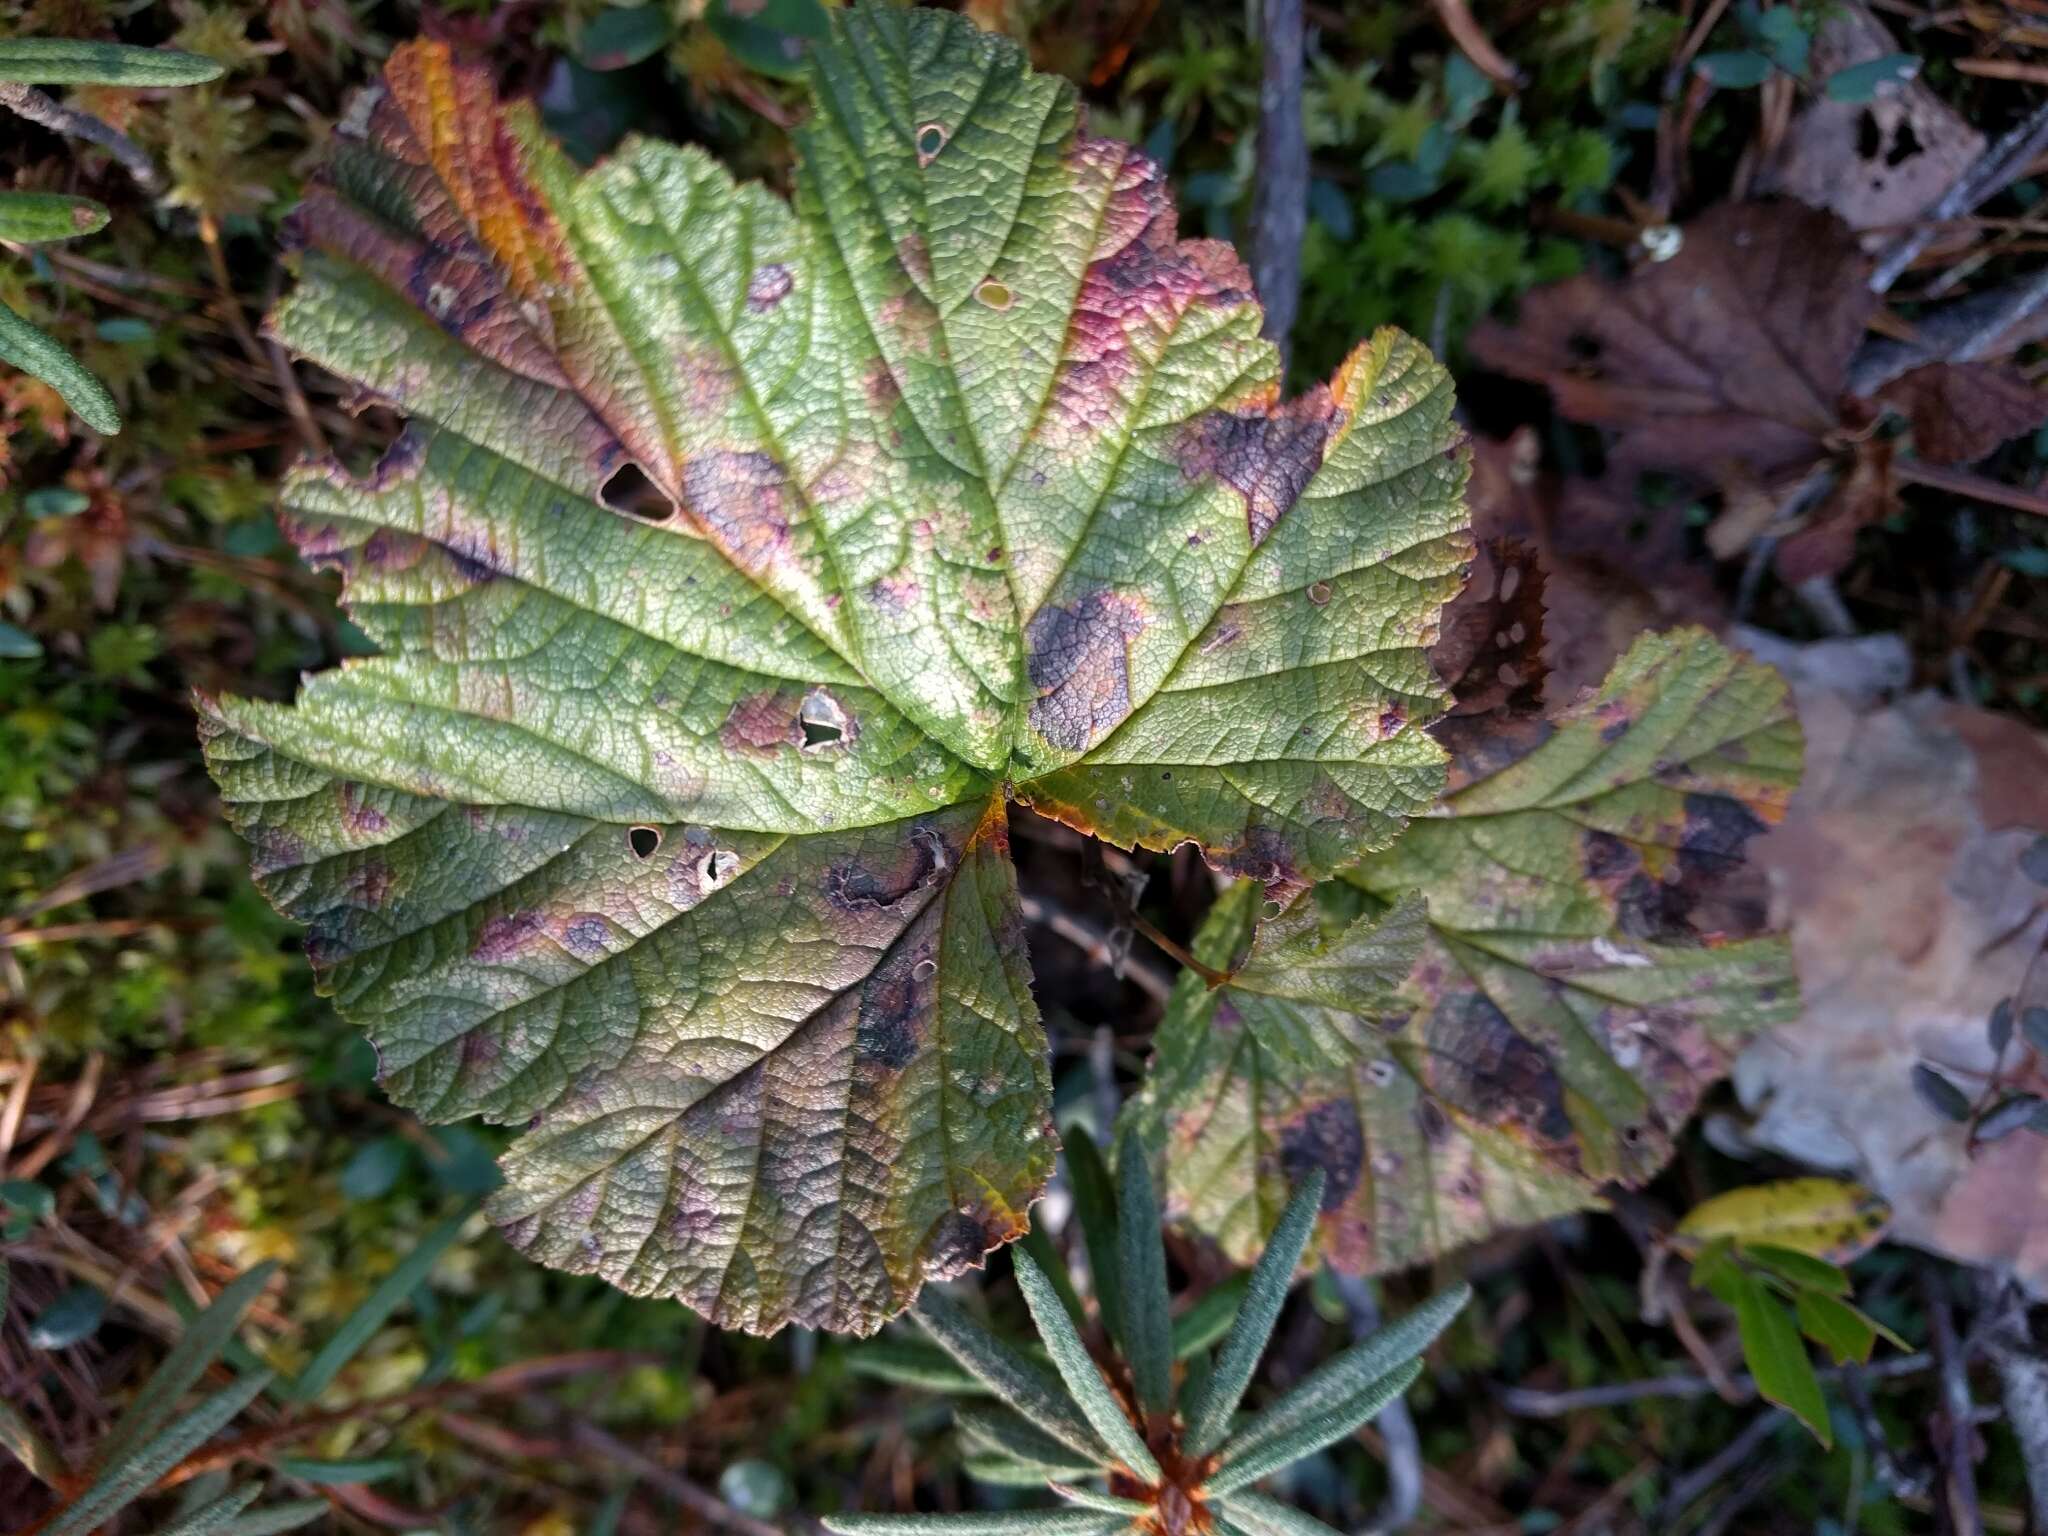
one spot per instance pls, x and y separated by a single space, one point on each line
127 1480
1078 1370
1357 1370
1208 1419
1141 1257
1108 1503
211 1519
1263 1516
1007 1522
1095 1210
80 61
1312 1433
1003 1431
37 354
197 1348
1008 1374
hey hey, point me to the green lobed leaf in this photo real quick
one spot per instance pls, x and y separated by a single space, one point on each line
1591 965
38 355
77 61
30 217
682 839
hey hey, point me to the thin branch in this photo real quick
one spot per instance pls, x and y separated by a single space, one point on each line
1997 168
1734 1454
705 1505
2022 1370
1955 1449
40 107
1531 1403
1280 201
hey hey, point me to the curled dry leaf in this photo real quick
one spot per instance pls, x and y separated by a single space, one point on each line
1899 871
681 839
1593 958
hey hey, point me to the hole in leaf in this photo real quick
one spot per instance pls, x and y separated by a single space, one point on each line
931 138
993 294
822 720
1869 137
1319 592
643 841
629 490
1905 144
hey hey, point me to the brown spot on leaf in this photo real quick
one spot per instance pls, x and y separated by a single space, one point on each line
895 1005
1326 1136
743 500
762 722
503 937
1482 1063
1079 661
769 286
362 820
1267 458
923 858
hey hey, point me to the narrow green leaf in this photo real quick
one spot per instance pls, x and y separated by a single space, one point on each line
1006 1522
1078 1370
38 355
1739 70
330 1474
1263 1516
912 1363
1036 1243
1357 1370
127 1480
1837 1327
29 218
1802 1269
1141 1264
388 1296
1311 1434
1861 82
1777 1358
75 61
197 1348
1107 1503
1006 1373
1000 1471
212 1519
1209 1419
1208 1319
1004 1432
1095 1210
1939 1094
279 1517
19 1439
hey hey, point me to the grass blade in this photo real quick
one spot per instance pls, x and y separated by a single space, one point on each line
1006 1373
77 61
1141 1263
1352 1373
38 355
1077 1368
1002 1522
387 1297
1095 1210
127 1480
1311 1434
1209 1419
197 1348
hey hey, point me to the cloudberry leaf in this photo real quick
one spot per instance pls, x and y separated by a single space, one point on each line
1594 957
741 562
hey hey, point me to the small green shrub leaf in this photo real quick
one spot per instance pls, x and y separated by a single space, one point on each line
32 217
38 355
1772 1349
76 61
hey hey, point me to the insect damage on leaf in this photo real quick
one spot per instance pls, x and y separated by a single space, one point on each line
741 562
1594 956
